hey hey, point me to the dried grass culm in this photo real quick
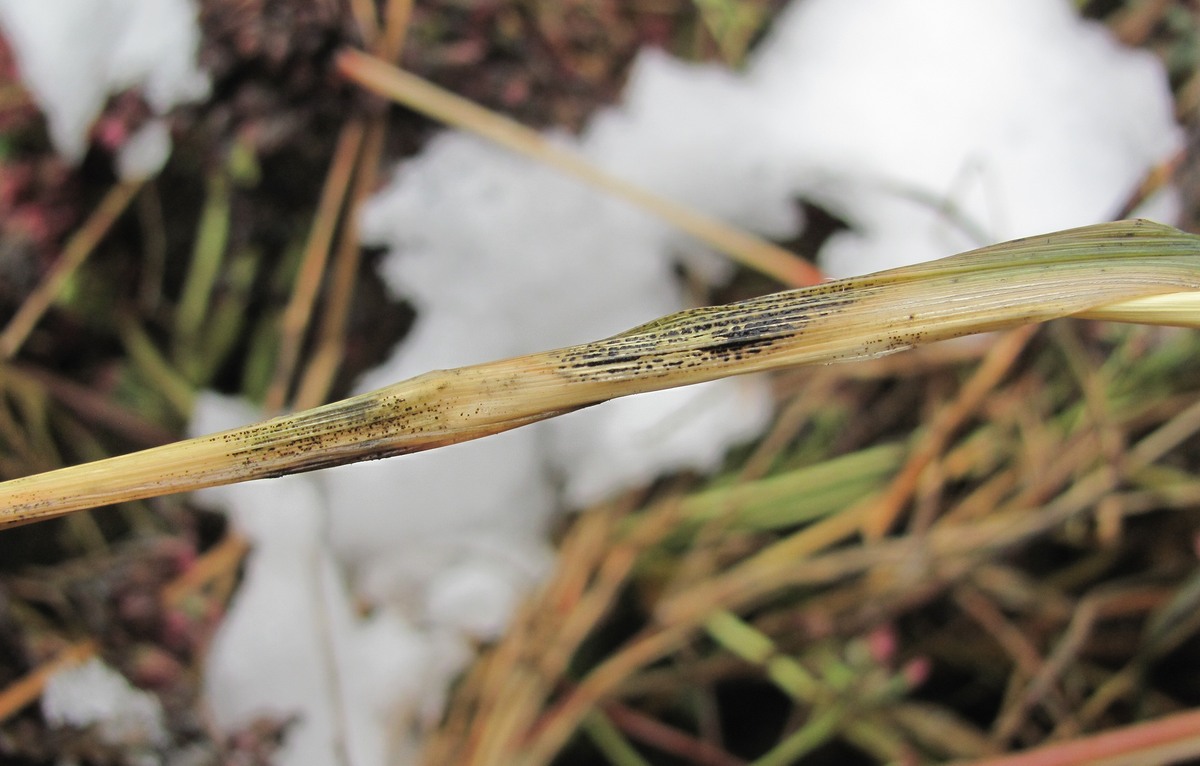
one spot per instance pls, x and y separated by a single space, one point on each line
1132 271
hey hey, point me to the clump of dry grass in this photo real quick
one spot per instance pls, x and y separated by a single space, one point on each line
1036 585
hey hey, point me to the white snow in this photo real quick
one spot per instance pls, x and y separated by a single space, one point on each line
930 125
93 694
1016 116
74 54
145 152
293 646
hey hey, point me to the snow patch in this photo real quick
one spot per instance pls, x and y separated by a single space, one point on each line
74 54
93 694
145 152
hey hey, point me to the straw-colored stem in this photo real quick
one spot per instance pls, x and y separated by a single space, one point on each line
1087 272
326 358
405 88
1170 739
76 252
295 320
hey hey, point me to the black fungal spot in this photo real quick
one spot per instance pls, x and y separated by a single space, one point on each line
740 346
608 361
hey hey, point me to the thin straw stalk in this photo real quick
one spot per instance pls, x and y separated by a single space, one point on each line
1109 271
